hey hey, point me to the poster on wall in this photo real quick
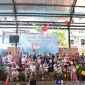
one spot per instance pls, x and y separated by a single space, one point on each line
38 43
63 38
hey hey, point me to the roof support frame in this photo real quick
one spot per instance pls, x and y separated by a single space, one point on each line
15 16
71 16
40 4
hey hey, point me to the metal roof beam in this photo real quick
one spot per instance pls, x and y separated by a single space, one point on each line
15 16
49 28
15 12
39 4
71 16
39 14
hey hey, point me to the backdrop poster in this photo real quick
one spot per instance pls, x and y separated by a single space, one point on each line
39 43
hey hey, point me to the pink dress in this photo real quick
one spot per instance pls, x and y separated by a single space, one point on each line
74 77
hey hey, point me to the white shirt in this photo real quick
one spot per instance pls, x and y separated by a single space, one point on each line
9 58
33 68
55 67
15 73
23 60
41 68
39 61
4 59
45 67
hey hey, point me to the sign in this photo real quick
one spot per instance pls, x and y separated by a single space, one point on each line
68 50
38 43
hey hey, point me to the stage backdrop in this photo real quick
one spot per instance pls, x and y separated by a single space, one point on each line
38 43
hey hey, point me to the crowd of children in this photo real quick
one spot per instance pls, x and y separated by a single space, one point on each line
46 63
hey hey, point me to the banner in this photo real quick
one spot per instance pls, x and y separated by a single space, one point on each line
38 43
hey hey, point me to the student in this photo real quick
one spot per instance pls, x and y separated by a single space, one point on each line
15 74
33 68
74 76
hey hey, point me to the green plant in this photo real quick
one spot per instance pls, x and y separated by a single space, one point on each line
60 76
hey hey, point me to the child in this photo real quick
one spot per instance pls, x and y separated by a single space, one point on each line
74 76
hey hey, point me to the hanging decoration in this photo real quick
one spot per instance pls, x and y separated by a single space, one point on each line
66 22
58 29
59 23
38 29
20 23
27 23
72 21
56 24
59 32
77 67
53 24
44 28
5 18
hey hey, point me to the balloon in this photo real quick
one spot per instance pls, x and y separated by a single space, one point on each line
64 75
77 67
38 29
54 33
60 32
72 21
66 22
83 73
44 28
53 24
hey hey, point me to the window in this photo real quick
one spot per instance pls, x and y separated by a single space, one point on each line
82 41
72 42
